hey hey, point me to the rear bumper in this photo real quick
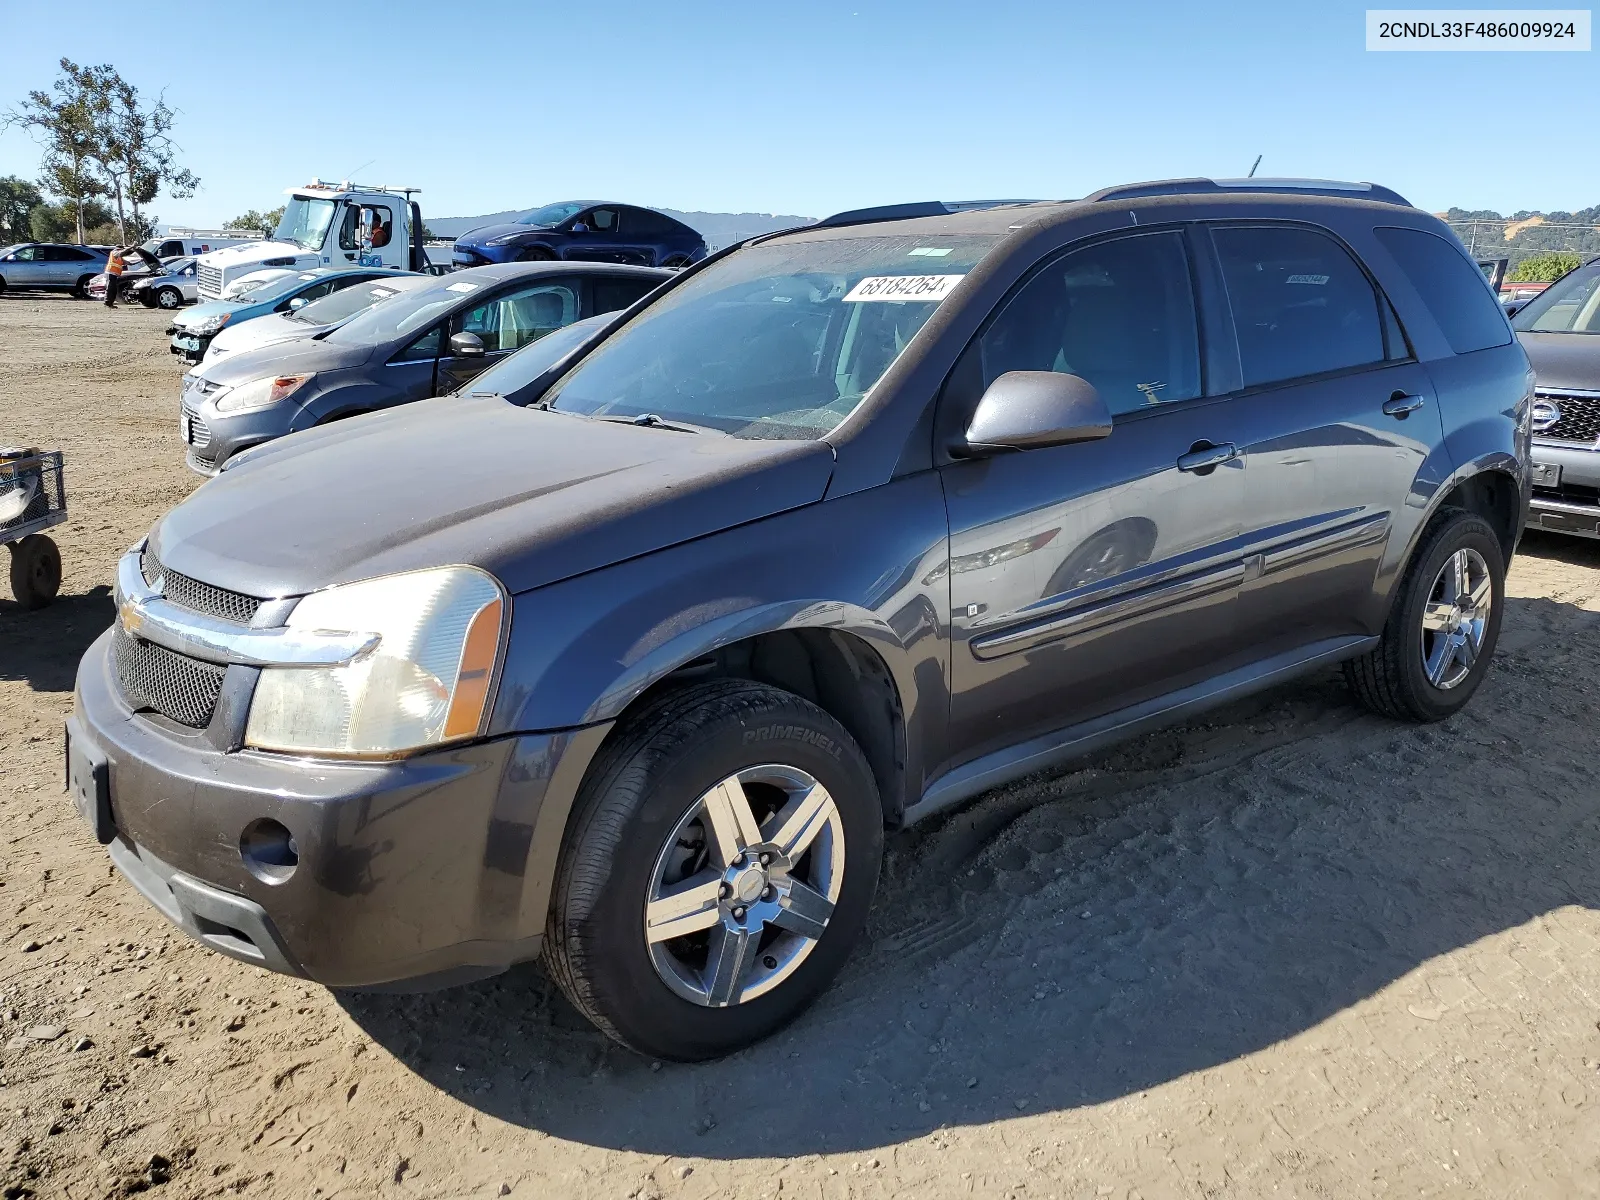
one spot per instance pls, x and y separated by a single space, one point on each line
420 872
1571 503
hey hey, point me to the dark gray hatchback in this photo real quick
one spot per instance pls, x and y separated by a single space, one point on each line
632 660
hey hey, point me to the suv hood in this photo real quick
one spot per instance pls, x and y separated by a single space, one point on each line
530 496
1564 360
477 237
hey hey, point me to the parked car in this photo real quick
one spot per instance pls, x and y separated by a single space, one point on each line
192 331
310 319
138 267
578 231
51 266
173 287
431 339
632 663
1560 330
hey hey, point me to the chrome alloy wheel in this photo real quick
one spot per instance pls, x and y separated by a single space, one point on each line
745 885
1455 618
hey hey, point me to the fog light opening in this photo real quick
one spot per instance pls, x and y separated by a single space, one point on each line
269 850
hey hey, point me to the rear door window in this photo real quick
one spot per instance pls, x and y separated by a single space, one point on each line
602 220
612 294
1453 288
1121 314
1301 304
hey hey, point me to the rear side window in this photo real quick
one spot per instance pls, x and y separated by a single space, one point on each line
1301 304
1121 314
1453 288
612 294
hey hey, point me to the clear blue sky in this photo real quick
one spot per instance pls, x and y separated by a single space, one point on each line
809 108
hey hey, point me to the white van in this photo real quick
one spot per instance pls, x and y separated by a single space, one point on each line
179 242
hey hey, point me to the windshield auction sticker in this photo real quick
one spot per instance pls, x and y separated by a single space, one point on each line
928 289
1478 29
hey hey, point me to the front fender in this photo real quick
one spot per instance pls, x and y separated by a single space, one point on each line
868 565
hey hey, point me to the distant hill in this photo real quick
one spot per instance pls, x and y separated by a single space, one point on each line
718 229
1523 234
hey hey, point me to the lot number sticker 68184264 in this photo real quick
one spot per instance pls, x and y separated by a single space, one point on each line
927 289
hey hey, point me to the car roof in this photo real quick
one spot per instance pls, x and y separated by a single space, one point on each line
498 272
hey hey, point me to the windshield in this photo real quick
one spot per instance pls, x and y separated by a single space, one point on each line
510 375
551 214
305 222
1569 305
780 340
408 313
352 300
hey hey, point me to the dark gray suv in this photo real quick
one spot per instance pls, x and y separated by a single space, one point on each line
631 660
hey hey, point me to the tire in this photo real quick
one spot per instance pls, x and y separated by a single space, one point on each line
537 254
35 571
169 298
677 262
80 290
1427 674
2 285
640 823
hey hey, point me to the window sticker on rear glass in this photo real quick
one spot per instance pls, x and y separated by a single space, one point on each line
930 252
462 287
1318 280
382 293
927 289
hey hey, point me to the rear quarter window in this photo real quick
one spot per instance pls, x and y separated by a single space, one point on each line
1452 287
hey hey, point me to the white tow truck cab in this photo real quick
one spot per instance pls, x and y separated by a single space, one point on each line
328 225
182 242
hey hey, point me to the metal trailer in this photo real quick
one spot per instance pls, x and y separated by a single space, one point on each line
33 497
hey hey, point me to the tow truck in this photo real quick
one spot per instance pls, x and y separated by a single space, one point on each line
328 225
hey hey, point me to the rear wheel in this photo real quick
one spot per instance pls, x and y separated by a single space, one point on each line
81 289
1442 633
35 570
717 870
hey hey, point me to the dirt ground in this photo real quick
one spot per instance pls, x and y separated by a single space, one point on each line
1291 949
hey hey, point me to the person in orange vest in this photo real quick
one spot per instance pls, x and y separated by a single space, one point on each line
115 265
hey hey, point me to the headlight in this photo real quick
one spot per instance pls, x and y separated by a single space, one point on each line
504 240
210 325
262 393
426 683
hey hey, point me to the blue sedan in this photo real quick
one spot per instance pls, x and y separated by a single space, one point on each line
584 231
193 330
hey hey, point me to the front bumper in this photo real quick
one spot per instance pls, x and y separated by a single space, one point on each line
1566 488
211 438
420 872
190 346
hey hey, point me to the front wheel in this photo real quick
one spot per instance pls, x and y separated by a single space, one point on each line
1443 628
169 298
717 870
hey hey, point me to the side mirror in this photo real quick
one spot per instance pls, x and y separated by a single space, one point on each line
298 302
466 345
1027 410
579 227
1512 310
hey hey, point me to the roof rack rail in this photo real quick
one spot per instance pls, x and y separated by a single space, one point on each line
907 211
1301 187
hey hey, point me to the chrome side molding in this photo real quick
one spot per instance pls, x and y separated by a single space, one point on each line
145 613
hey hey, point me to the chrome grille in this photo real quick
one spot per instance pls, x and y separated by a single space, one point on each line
1580 417
196 596
196 432
210 282
182 689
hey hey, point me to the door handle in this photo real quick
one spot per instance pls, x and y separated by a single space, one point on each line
1205 457
1402 404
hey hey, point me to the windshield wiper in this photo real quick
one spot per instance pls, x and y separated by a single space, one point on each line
650 420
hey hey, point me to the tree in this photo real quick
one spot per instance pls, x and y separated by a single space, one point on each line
18 199
66 122
1544 268
134 150
59 222
264 221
